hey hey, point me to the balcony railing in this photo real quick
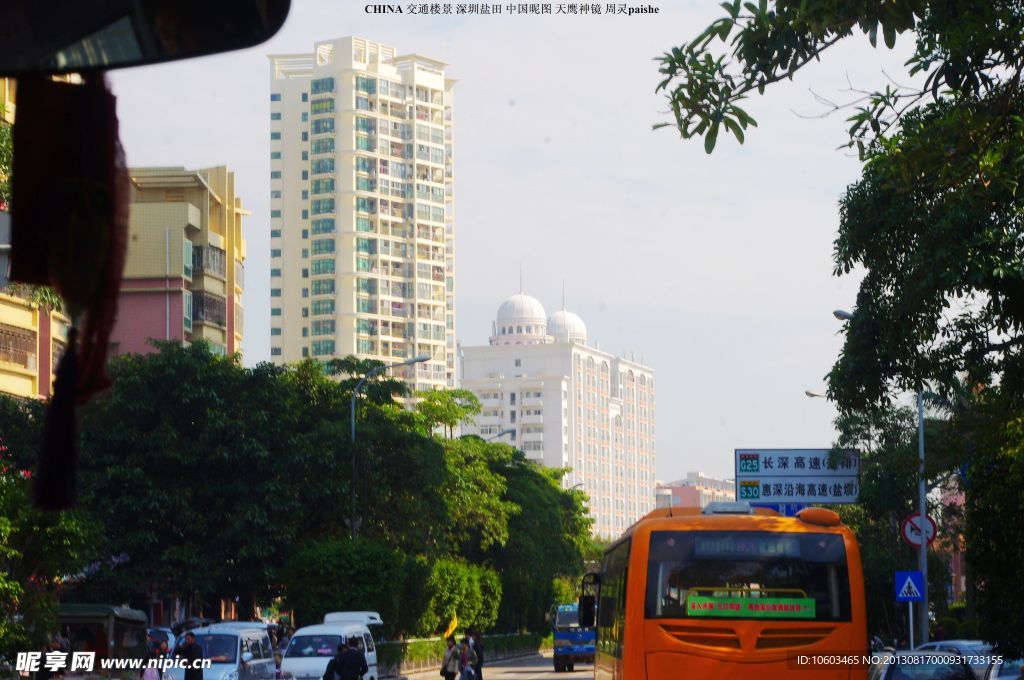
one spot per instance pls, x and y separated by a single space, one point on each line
17 346
209 260
209 308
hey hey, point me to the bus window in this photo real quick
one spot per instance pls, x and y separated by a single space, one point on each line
747 575
611 611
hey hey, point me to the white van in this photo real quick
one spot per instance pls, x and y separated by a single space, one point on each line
312 647
371 620
238 650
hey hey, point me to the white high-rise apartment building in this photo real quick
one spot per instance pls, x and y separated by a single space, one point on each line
362 231
570 405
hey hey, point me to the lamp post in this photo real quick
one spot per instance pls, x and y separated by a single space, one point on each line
352 414
922 550
507 430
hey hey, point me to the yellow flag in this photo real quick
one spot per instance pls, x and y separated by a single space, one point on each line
452 625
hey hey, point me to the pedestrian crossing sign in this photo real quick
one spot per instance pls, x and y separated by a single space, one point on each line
909 586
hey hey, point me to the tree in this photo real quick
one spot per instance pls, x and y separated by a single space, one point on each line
447 408
935 220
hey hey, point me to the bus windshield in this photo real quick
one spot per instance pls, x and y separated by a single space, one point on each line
747 575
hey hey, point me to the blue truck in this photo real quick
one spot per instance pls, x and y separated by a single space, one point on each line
572 643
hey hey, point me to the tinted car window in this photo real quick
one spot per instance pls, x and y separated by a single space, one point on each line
313 645
369 642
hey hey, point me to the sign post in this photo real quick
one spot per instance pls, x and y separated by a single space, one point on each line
910 589
797 476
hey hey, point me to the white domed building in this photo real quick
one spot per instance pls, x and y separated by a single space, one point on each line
521 320
545 389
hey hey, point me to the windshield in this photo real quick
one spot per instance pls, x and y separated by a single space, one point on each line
567 618
746 574
313 645
216 648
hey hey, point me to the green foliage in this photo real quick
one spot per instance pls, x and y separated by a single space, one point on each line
390 655
6 159
447 408
473 494
341 575
36 550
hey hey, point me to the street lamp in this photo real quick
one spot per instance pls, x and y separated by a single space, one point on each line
352 413
922 550
815 395
507 430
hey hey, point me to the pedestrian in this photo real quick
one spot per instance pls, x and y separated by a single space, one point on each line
348 664
44 673
467 659
192 653
450 660
278 673
478 649
285 639
151 671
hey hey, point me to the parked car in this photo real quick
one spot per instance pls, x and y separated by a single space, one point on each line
915 664
238 650
1005 669
312 647
159 634
975 650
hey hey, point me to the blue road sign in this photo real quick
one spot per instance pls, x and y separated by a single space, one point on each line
909 586
784 509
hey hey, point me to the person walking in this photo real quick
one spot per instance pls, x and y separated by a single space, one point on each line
450 660
478 649
467 659
348 664
193 654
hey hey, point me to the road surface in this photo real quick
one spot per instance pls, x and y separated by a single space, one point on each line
533 668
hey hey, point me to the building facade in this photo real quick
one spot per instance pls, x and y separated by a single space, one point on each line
184 272
695 490
569 405
362 217
32 336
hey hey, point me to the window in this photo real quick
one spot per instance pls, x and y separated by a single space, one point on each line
322 186
322 106
366 245
364 124
305 292
366 286
305 136
275 311
323 287
275 96
323 348
275 292
275 174
519 362
305 155
367 205
305 273
321 85
276 193
325 145
305 174
688 569
322 307
305 352
322 126
305 96
275 252
275 155
611 610
363 224
322 327
363 264
323 225
275 272
367 85
305 214
305 193
275 135
364 164
320 206
323 245
323 266
305 233
364 143
276 115
305 312
275 233
305 116
275 351
321 166
275 331
365 184
275 213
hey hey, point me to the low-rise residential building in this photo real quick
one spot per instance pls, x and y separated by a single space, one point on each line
184 272
695 490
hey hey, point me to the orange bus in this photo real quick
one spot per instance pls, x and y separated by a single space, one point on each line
729 592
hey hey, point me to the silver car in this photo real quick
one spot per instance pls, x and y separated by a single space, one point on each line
975 652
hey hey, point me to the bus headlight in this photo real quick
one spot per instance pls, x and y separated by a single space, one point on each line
562 643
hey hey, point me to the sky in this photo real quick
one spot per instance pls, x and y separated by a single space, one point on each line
715 270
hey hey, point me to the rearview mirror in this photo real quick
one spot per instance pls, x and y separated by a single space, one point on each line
587 611
61 36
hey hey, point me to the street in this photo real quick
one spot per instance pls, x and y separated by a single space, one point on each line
532 668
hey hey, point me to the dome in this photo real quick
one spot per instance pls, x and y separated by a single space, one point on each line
521 308
567 327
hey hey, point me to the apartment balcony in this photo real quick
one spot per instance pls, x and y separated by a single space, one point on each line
18 347
209 260
208 308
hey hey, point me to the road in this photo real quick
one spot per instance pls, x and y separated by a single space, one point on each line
533 668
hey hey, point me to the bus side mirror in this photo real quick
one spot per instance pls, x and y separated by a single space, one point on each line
587 610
